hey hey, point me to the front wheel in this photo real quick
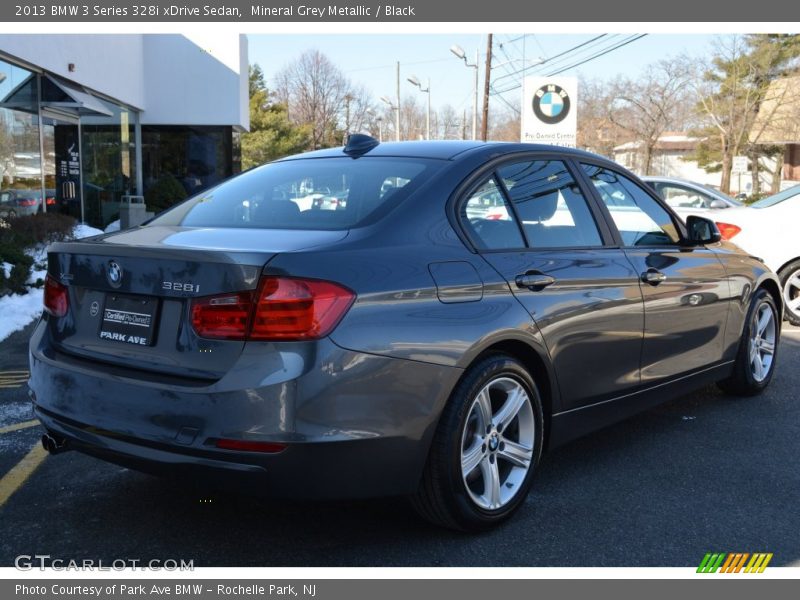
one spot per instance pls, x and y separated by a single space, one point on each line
790 282
486 448
755 360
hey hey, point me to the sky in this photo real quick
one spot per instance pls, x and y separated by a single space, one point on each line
370 59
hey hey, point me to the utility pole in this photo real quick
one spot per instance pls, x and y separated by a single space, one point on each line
397 114
475 103
347 100
487 80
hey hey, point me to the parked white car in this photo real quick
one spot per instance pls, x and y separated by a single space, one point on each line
768 230
690 198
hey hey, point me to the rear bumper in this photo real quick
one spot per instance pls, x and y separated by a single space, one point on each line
354 424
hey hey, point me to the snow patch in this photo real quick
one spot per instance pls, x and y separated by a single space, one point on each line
83 231
19 310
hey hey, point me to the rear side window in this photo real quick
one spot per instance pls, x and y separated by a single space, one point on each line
550 205
641 220
322 193
490 222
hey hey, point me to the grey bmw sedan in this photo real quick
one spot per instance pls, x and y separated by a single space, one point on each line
460 309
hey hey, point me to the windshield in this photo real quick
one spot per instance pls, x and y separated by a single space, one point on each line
314 193
777 198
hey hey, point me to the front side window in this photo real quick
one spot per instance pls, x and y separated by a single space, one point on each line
324 193
641 220
550 205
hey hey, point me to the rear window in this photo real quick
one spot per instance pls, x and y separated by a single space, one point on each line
314 193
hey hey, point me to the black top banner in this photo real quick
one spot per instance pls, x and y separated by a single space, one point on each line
265 11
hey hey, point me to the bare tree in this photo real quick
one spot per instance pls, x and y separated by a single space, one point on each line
651 104
504 124
448 122
316 93
596 131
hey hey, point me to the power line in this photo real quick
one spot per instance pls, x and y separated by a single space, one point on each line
598 54
552 58
603 53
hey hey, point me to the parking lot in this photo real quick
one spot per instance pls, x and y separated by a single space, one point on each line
703 473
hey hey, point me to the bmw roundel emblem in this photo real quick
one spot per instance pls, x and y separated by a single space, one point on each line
551 104
114 273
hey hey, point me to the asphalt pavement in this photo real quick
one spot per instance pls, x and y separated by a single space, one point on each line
703 473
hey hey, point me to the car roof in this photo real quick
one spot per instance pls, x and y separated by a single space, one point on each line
445 150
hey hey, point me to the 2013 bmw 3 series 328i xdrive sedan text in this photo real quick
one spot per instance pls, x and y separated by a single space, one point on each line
460 308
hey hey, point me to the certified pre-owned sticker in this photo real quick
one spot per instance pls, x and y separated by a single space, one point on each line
94 308
126 317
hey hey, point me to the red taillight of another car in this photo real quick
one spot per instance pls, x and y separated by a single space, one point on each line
282 308
56 298
728 230
27 202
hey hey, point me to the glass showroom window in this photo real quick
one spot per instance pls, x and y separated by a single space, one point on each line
20 155
109 165
180 161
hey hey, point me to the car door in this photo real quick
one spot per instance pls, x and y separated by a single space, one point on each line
550 244
685 288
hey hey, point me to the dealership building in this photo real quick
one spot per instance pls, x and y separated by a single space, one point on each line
90 121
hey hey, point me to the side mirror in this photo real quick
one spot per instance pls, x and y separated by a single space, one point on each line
702 231
717 203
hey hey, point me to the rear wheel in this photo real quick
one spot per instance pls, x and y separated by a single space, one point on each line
790 282
486 448
755 360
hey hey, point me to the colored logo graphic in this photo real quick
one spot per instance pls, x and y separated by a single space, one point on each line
734 562
114 274
551 104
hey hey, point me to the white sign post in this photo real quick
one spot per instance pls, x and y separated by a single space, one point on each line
739 164
550 111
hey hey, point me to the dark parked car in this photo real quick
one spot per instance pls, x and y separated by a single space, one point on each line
404 344
20 202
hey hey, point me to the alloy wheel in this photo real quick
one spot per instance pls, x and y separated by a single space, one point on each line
763 330
791 293
497 443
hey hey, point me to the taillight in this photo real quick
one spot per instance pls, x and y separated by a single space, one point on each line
27 202
728 230
282 308
50 201
56 299
250 446
223 317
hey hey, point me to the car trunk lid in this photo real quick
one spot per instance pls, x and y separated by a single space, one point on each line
130 293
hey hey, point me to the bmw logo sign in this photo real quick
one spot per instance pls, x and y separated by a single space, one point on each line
114 273
551 104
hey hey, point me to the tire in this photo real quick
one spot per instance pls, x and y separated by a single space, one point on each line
470 448
790 288
758 348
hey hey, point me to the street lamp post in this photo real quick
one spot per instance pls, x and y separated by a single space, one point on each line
413 80
459 52
397 116
379 119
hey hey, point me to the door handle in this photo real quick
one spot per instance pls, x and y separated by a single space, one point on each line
533 280
653 277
